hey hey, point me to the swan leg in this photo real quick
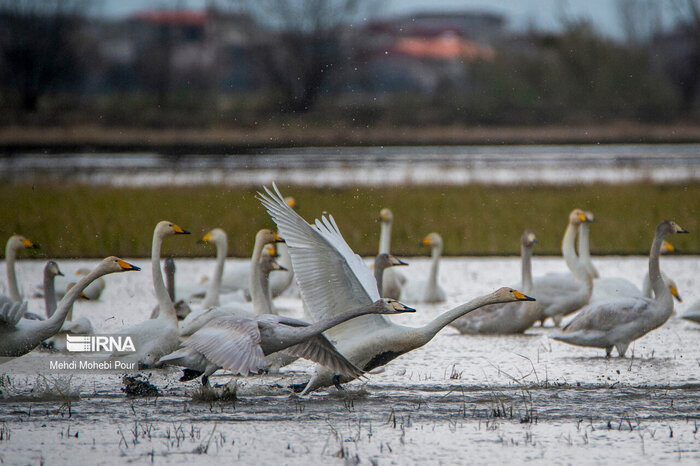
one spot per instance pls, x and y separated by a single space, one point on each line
621 349
557 319
336 382
608 351
205 380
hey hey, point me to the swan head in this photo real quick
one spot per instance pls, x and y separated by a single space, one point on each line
113 264
291 202
669 227
269 264
266 236
577 217
51 269
392 306
385 216
528 239
270 250
214 236
674 290
166 228
508 295
19 242
432 240
387 260
667 248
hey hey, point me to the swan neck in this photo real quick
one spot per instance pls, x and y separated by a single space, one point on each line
584 249
526 268
165 304
385 238
568 250
170 282
49 294
53 324
434 268
259 292
330 322
427 332
212 296
661 291
10 255
262 300
379 277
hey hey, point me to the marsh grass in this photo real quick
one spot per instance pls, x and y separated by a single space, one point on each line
91 221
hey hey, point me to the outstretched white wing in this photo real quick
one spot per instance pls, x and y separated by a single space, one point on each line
331 277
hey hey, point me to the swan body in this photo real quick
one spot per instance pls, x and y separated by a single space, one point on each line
332 279
393 280
560 295
618 322
428 291
240 344
157 337
506 318
693 313
19 336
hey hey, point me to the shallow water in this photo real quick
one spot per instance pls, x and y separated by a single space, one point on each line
459 398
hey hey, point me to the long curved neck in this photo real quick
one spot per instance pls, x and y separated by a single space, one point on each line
166 308
10 255
169 269
432 284
661 291
212 297
584 250
379 276
427 332
385 238
262 303
285 261
255 277
49 294
53 324
324 324
526 268
568 250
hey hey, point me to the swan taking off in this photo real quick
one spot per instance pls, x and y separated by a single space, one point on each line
332 279
19 336
240 344
618 322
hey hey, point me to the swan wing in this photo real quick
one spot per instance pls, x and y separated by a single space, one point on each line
331 277
232 343
11 312
606 315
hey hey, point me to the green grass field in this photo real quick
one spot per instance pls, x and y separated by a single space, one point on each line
88 221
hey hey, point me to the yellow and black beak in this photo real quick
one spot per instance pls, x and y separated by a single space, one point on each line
400 307
277 238
178 230
522 297
126 266
282 268
675 294
29 245
205 239
396 261
426 241
582 217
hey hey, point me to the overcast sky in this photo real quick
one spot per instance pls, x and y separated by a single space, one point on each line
545 14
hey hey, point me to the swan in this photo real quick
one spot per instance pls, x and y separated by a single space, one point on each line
618 322
154 338
195 320
51 271
693 313
279 282
560 295
19 336
260 305
381 263
393 280
332 279
182 309
428 291
14 244
240 344
515 317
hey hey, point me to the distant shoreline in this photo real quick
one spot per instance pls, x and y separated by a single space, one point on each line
180 141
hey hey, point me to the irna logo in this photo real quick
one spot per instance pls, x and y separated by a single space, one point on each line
98 343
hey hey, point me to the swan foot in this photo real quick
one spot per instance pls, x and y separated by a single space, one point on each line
336 382
298 387
205 380
557 319
190 374
621 349
608 351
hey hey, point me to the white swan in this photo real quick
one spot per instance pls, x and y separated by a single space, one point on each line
182 309
240 344
693 313
332 279
394 280
157 337
560 295
19 336
509 317
14 244
618 322
197 319
427 291
381 263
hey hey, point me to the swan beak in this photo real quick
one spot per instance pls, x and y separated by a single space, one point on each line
675 294
426 241
668 247
84 296
59 273
126 266
400 307
590 217
271 250
680 229
291 202
521 297
282 268
582 217
277 238
29 245
205 239
179 231
396 261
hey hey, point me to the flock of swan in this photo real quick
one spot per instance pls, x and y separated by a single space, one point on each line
230 322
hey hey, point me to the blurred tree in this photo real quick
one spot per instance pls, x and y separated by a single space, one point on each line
39 46
298 44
